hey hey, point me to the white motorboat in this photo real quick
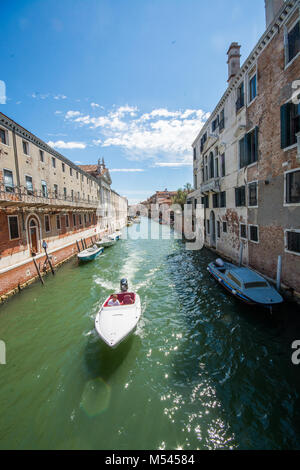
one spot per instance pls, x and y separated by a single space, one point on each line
106 242
114 236
137 220
90 253
114 323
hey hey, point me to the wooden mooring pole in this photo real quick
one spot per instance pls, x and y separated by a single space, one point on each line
38 271
78 248
48 259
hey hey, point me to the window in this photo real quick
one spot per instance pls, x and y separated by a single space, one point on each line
67 221
202 142
25 147
79 218
243 231
63 167
218 229
253 233
82 178
215 124
207 226
252 88
234 279
255 285
240 97
216 201
53 162
58 222
225 227
74 220
252 193
223 199
65 193
290 124
44 189
72 194
29 185
205 201
211 165
84 219
13 225
222 120
71 172
76 174
41 156
8 181
47 223
293 42
293 241
3 136
293 187
195 154
55 191
240 196
217 167
249 148
223 169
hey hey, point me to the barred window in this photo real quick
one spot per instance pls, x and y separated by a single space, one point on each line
252 188
253 233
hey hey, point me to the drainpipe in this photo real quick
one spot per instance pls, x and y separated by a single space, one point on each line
279 269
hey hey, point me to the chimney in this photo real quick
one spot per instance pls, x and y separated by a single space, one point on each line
272 7
234 57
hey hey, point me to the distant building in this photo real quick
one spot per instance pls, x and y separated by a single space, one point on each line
247 155
46 197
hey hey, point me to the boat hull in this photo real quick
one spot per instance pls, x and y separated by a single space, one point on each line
238 294
115 324
83 257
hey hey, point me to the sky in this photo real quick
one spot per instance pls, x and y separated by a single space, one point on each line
132 81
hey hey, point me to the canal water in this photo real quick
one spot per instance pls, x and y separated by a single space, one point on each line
202 371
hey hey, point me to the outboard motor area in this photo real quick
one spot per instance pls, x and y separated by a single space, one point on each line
124 285
219 263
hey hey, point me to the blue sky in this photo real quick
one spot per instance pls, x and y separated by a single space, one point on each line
128 80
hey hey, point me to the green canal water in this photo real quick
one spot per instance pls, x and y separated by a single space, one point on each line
201 372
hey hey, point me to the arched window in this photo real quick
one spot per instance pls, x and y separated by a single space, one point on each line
211 165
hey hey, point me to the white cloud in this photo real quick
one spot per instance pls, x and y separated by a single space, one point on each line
60 97
60 144
161 135
126 170
172 164
72 114
95 105
2 92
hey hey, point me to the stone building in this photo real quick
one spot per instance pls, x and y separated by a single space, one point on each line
46 197
247 155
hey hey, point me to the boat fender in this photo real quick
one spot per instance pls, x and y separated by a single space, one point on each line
234 292
219 279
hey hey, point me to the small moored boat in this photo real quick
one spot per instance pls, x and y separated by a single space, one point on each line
115 323
245 284
90 253
114 236
137 220
106 242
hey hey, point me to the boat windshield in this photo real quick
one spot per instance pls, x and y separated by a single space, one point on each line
254 285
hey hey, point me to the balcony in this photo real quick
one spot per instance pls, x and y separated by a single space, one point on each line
210 186
22 197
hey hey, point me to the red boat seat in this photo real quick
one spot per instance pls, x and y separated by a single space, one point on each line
127 300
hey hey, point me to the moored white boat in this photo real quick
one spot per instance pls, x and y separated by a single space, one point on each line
115 323
90 253
106 242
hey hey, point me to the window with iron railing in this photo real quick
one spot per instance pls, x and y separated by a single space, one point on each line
44 189
29 185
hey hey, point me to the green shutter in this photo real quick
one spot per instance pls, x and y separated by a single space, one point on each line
256 144
285 122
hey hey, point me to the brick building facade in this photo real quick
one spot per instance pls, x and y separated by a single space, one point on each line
247 155
46 197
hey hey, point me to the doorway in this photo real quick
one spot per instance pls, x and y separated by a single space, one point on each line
33 236
213 229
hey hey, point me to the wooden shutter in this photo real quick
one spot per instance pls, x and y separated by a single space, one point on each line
285 121
256 144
